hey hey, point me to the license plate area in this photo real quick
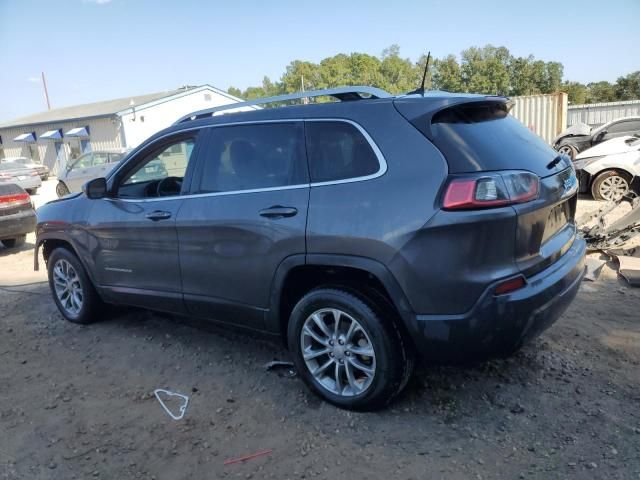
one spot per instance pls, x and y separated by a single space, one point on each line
558 217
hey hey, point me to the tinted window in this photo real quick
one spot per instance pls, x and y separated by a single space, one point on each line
246 157
628 126
338 150
483 136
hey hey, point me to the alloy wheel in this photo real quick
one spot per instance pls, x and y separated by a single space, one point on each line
338 352
613 187
67 286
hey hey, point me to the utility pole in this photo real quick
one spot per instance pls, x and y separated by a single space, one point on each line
46 93
305 100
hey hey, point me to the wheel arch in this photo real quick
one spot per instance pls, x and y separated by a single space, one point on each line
298 274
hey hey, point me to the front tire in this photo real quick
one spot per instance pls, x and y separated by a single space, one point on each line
72 290
611 185
62 190
14 242
347 350
569 150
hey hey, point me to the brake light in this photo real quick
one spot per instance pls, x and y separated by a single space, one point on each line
14 200
34 174
510 285
4 176
491 190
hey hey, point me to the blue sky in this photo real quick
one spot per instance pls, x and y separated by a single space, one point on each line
93 50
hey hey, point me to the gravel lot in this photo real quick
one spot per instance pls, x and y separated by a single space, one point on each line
77 402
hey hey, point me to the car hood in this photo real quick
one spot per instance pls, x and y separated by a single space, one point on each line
611 147
579 129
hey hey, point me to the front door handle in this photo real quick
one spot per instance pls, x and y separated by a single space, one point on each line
278 212
158 215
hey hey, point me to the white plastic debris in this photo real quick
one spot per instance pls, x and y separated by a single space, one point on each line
181 409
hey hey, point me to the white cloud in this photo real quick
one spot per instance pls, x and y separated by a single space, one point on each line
33 79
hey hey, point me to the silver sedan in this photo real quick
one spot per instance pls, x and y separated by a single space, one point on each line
27 178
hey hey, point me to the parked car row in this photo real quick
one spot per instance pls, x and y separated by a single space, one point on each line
606 158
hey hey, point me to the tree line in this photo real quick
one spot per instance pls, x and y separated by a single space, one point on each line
488 69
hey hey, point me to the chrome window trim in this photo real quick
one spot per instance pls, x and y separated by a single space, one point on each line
381 162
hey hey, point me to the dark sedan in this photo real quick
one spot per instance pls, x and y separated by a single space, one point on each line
17 216
580 137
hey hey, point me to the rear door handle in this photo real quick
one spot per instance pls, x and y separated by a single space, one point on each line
278 212
158 215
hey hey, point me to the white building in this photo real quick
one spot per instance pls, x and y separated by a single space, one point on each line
55 136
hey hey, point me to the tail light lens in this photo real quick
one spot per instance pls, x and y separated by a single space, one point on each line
34 173
491 190
4 176
14 200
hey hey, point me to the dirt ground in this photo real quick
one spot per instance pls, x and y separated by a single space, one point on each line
76 402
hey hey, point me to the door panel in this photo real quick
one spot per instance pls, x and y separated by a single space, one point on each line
132 251
136 243
248 213
229 252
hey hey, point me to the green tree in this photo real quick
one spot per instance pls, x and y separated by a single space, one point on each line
628 87
446 74
236 92
576 91
485 70
601 92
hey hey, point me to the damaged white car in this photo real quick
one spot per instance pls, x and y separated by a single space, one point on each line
609 170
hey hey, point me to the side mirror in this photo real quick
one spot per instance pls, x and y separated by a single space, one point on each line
600 136
96 188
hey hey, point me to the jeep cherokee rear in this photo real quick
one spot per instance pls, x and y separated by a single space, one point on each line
363 232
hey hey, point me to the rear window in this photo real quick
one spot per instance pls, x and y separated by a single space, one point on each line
338 151
477 137
10 189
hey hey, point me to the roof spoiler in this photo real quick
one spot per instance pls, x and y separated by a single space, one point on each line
420 110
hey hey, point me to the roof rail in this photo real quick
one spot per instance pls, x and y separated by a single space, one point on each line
341 93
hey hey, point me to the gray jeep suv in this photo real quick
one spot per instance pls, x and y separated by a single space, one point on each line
364 232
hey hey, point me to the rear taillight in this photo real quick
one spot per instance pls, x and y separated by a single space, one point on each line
14 200
34 173
495 189
4 176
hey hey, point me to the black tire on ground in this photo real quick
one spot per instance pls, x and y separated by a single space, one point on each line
32 191
92 305
615 175
14 242
393 356
568 150
45 178
62 190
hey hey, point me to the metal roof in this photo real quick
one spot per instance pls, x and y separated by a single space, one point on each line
90 110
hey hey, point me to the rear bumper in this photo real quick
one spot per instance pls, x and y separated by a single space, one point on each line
500 324
12 226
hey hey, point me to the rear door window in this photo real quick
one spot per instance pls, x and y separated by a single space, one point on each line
256 156
338 151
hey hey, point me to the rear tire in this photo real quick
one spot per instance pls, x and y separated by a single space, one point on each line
610 185
14 242
344 375
62 190
72 290
32 191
